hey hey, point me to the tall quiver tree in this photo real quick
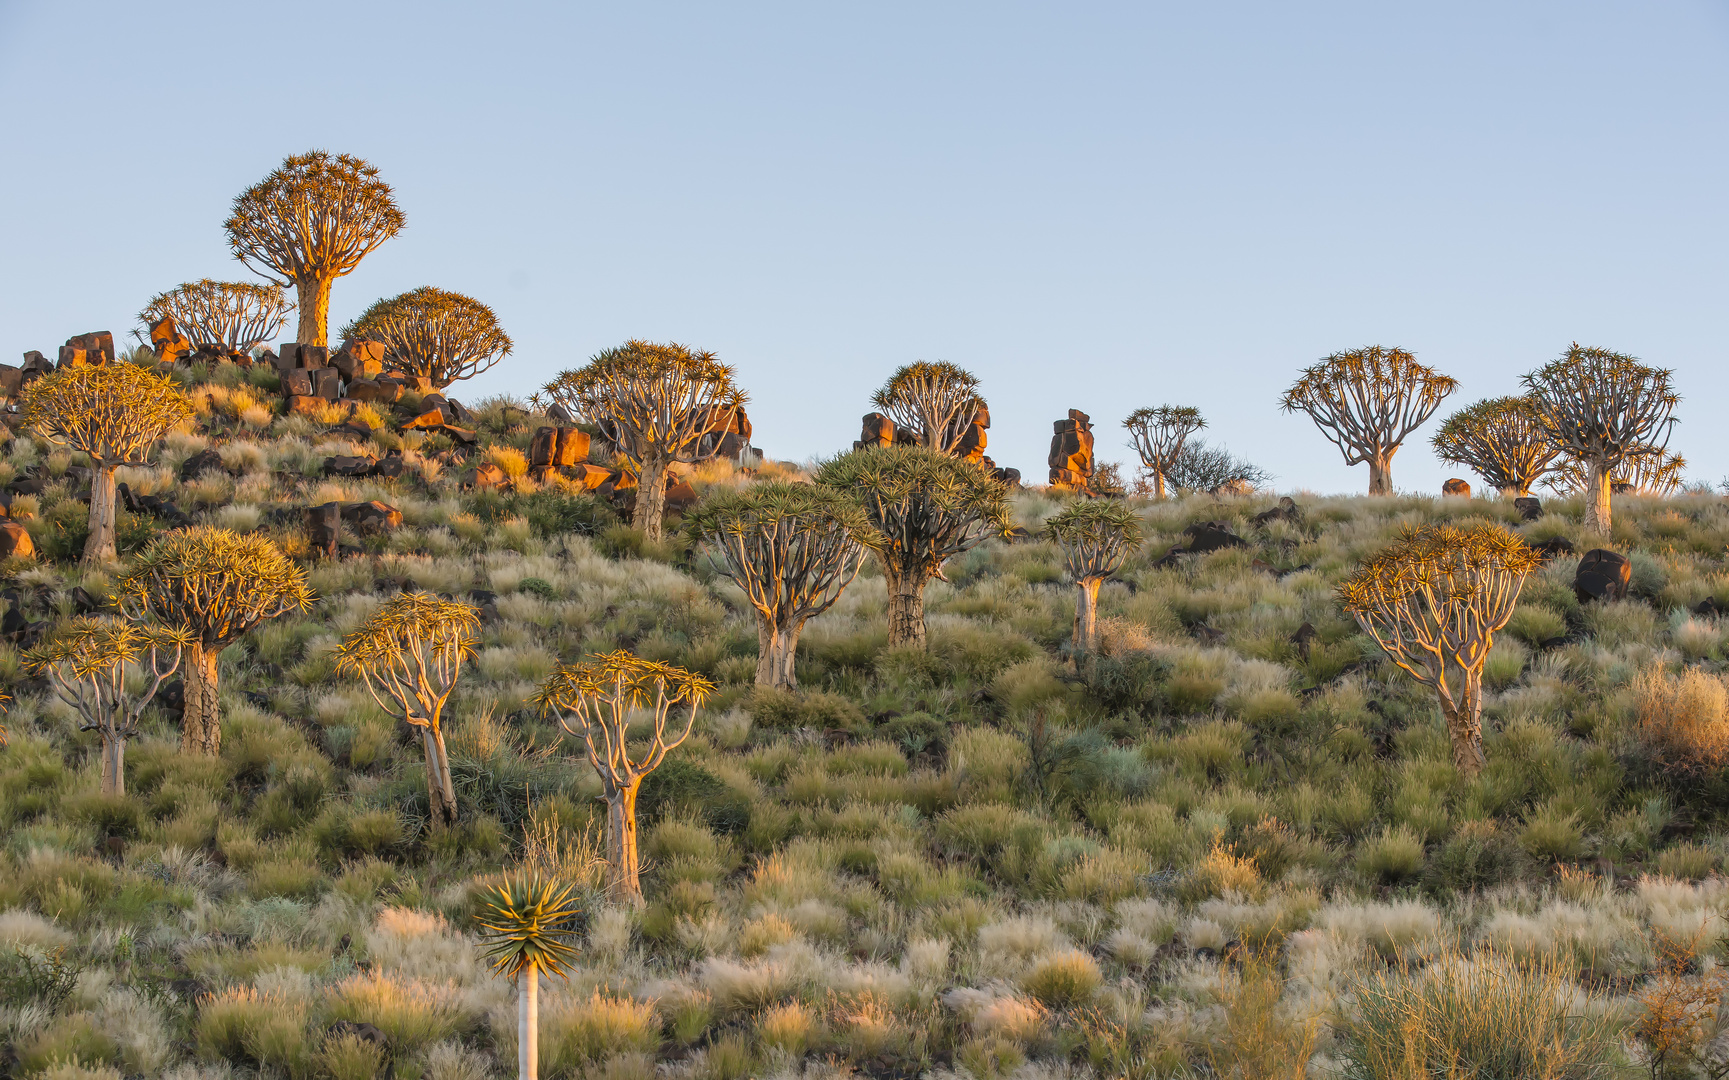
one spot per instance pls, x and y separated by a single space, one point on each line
929 507
234 317
216 585
1158 435
87 661
597 701
1434 601
654 402
1366 401
525 923
792 549
933 401
434 335
115 413
1501 440
409 653
1603 409
310 222
1095 535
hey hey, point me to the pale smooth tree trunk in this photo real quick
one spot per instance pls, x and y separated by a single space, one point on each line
1381 474
650 498
99 545
440 791
528 1024
1465 724
906 608
1159 484
1597 497
776 649
113 764
201 725
1086 636
314 295
624 884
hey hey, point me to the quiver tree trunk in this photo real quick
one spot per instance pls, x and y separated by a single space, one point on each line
314 294
623 883
1465 723
906 608
1381 474
1086 637
528 1023
99 546
1597 497
777 647
201 724
113 764
440 790
1159 484
650 498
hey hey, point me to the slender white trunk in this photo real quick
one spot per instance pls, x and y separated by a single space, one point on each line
906 608
1381 474
201 725
99 545
113 764
1086 634
625 884
650 498
1597 497
528 1025
776 649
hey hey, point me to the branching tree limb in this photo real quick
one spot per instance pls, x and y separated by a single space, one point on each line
434 335
409 653
234 317
1604 410
597 701
1501 440
1366 401
935 402
654 402
1157 435
1434 602
792 548
1095 535
310 222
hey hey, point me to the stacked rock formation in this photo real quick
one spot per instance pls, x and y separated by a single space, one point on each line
1071 457
879 430
168 341
80 349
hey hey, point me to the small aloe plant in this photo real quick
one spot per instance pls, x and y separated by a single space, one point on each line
526 922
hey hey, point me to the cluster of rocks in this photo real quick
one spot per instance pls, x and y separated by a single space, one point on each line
1200 538
1071 458
324 523
95 348
880 430
171 345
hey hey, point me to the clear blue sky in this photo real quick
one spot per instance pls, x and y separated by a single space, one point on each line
1092 206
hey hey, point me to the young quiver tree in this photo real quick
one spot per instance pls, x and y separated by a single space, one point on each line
929 507
1095 535
436 336
1603 410
1366 401
525 924
216 585
935 402
115 413
1434 601
600 700
1500 440
654 402
409 653
233 317
792 549
87 660
310 222
1157 435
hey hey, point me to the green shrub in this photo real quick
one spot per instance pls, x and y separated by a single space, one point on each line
1394 856
1063 980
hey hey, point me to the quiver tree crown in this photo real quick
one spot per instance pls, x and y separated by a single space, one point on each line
309 222
935 401
435 335
232 317
1366 401
1501 440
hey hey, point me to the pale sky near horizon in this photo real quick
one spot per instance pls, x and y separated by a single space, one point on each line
1093 206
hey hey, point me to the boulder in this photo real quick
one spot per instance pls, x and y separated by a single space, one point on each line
558 414
305 405
167 341
1456 489
1602 575
390 466
71 357
1071 456
372 516
590 477
15 541
1286 510
296 383
460 436
289 358
1553 548
353 429
680 496
326 383
430 418
324 528
359 359
558 447
312 356
1207 536
878 430
200 463
486 476
1011 477
370 390
1709 608
1530 509
37 364
11 380
345 465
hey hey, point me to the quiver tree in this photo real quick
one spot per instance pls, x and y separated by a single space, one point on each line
929 507
1434 601
526 922
115 413
1095 535
792 549
436 336
1500 440
654 402
1157 435
934 402
409 653
216 585
310 222
87 662
233 317
1603 410
1366 402
1647 474
599 701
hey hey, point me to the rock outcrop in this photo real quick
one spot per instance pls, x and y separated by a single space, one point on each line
1071 458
